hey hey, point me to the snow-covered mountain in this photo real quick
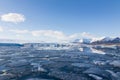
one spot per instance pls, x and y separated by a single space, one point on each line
116 40
103 40
107 40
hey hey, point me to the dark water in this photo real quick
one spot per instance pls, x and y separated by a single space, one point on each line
18 63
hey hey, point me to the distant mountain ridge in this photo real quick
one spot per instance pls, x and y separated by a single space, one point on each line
107 40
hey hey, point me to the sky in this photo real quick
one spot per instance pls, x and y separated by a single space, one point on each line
59 20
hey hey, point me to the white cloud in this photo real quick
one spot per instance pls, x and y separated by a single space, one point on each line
13 17
81 35
1 29
19 31
87 35
76 35
50 35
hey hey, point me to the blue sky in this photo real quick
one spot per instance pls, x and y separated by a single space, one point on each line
68 17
